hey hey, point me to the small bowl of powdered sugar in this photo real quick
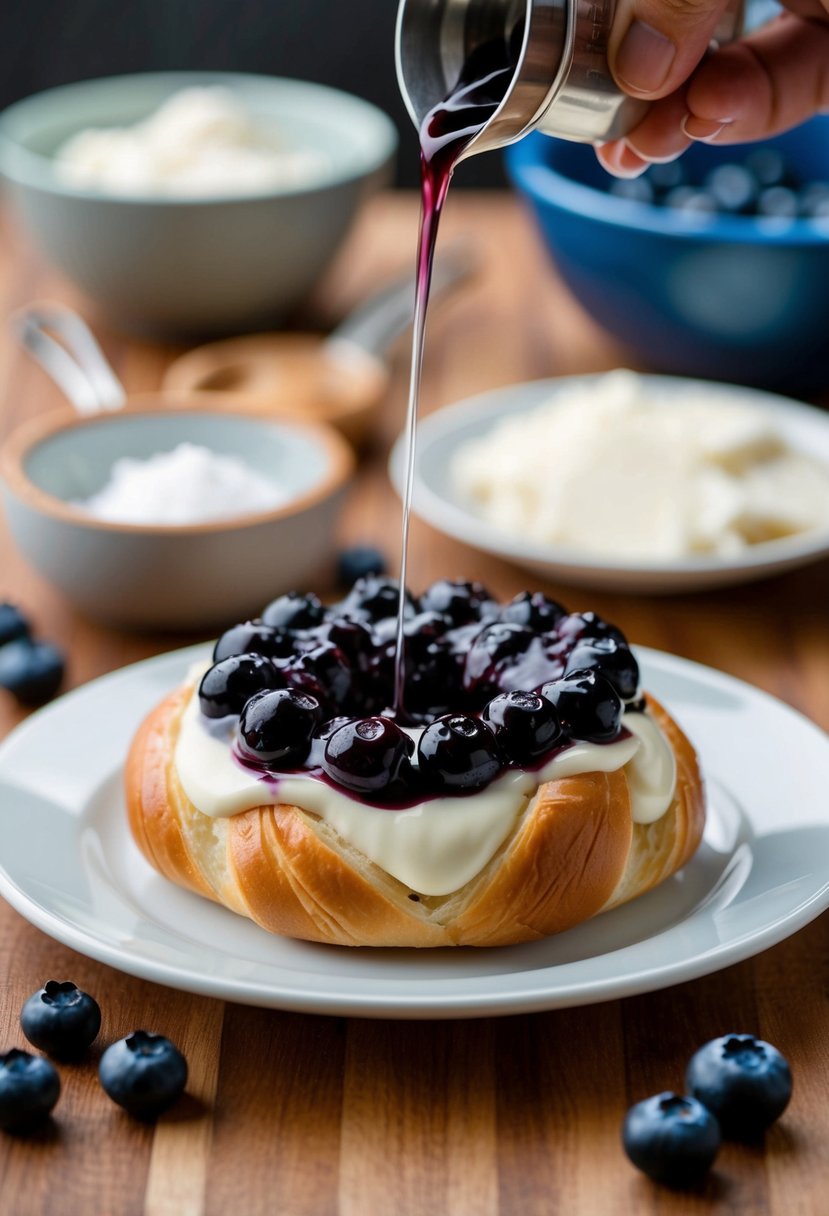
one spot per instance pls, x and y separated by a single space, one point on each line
181 518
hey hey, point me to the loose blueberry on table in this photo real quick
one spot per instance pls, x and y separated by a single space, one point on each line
61 1020
29 1089
672 1139
488 687
144 1073
745 1082
31 671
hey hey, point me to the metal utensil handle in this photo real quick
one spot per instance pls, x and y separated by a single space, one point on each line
61 342
376 324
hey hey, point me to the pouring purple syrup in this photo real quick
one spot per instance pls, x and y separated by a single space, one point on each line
445 134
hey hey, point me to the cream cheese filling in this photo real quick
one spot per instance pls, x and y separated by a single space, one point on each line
439 845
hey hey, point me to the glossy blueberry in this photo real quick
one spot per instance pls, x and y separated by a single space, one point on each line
374 598
61 1020
144 1073
357 562
29 1089
587 704
352 638
369 755
525 725
228 685
577 625
672 1139
457 752
276 728
326 729
533 610
742 1080
31 671
458 600
324 672
294 611
253 637
612 659
13 624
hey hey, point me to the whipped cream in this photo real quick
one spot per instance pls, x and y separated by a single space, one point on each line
438 846
189 485
608 468
200 142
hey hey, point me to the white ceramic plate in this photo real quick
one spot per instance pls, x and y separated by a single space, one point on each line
68 864
437 501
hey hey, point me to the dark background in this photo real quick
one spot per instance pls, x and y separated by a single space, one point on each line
345 43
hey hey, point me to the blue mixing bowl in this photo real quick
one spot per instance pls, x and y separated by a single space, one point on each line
728 297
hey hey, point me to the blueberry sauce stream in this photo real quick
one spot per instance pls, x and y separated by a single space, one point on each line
445 134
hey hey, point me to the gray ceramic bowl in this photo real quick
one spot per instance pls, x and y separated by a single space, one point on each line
164 577
183 266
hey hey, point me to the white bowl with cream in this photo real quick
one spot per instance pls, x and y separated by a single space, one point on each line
603 506
215 220
162 575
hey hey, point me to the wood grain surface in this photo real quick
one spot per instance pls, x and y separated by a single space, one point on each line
519 1116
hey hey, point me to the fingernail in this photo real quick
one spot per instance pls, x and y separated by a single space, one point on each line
644 58
704 130
624 162
667 159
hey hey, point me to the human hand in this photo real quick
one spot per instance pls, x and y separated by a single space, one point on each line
769 81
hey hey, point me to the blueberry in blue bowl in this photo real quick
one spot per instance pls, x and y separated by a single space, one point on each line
720 280
745 1082
144 1073
672 1139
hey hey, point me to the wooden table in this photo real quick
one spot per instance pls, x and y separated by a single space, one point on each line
303 1116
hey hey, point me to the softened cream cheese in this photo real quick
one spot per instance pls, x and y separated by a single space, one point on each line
640 478
439 845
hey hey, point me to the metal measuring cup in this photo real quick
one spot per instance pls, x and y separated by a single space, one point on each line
562 83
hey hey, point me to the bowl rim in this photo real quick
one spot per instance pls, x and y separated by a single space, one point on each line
541 182
40 429
32 169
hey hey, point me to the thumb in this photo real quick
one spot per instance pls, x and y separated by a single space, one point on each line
656 44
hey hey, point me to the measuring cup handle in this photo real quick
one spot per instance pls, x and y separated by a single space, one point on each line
64 346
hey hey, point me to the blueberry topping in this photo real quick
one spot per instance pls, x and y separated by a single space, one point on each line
588 705
352 638
673 1140
533 611
13 624
357 563
607 656
374 599
745 1082
276 727
29 1089
326 730
525 725
368 756
61 1020
228 685
577 625
254 637
458 752
294 611
458 600
324 672
144 1073
496 646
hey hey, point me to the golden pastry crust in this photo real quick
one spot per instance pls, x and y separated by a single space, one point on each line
575 851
